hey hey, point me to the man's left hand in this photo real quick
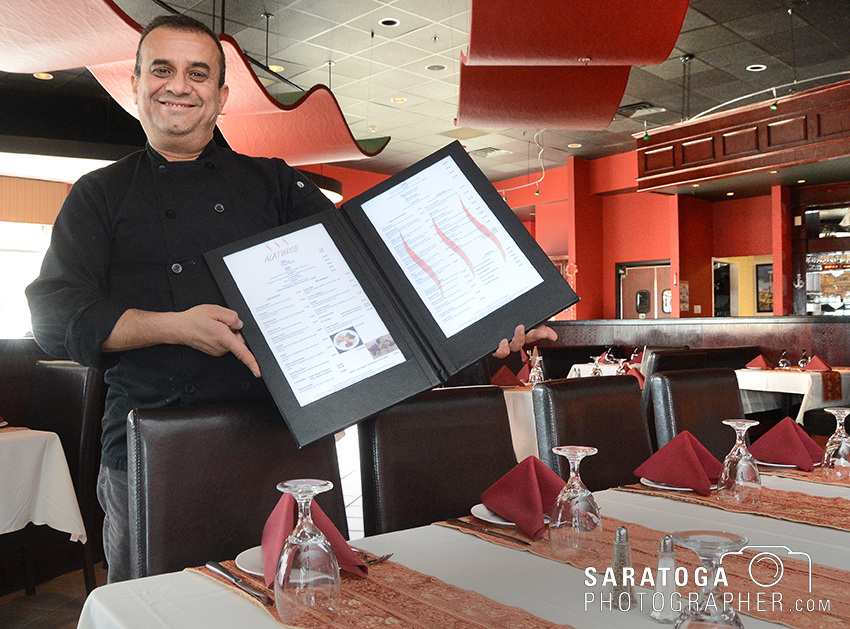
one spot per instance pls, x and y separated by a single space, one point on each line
521 337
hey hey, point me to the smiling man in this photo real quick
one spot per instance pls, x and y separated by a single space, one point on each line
124 287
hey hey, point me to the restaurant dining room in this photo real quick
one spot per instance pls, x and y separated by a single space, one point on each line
424 313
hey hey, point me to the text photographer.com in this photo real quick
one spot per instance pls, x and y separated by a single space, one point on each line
766 570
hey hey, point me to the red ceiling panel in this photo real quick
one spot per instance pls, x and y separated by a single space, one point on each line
573 32
540 97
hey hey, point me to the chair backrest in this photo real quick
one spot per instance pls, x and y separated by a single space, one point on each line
601 412
697 400
202 481
67 398
649 350
431 457
558 361
730 357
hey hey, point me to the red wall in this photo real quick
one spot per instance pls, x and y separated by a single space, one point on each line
742 227
695 252
635 228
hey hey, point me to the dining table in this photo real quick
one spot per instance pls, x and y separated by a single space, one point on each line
585 370
766 389
35 484
551 591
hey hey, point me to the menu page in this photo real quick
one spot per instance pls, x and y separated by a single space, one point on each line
459 258
321 327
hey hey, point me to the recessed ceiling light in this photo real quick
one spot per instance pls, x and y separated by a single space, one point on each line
276 68
730 194
773 172
696 185
574 145
436 67
801 181
44 76
756 67
389 21
398 99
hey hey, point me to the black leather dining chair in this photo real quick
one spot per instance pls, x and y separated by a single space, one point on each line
604 413
432 456
202 481
696 400
66 398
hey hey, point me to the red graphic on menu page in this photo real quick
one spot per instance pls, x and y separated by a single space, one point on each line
484 230
424 265
454 247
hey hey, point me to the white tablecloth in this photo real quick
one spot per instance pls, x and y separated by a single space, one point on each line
762 389
35 485
550 590
583 370
521 416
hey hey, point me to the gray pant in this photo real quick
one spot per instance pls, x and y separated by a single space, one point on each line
112 496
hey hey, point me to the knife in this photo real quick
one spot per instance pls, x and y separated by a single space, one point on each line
227 574
481 529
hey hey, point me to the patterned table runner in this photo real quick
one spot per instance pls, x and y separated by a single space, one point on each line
396 596
793 506
775 603
13 428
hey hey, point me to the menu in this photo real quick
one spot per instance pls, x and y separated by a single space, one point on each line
353 310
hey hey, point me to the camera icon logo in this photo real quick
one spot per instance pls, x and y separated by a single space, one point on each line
766 568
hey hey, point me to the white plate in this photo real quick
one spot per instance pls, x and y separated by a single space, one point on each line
3 424
789 466
654 485
483 513
251 561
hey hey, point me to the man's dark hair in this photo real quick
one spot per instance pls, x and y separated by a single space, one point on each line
180 23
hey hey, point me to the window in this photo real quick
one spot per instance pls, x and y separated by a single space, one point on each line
22 247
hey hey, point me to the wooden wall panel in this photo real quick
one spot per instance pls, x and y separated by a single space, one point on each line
31 200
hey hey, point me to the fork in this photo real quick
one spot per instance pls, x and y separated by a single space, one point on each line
371 560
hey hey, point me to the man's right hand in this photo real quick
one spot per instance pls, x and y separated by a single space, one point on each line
211 329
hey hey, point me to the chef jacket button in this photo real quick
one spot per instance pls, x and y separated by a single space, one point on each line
300 184
245 385
219 208
171 213
209 166
176 268
189 388
162 168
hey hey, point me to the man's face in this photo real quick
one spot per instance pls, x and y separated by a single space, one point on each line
177 92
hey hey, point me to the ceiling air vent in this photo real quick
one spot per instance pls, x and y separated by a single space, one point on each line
488 152
636 110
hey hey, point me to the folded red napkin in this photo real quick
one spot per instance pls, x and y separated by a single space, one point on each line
759 362
505 378
816 364
637 360
524 495
787 443
683 462
280 524
634 371
524 372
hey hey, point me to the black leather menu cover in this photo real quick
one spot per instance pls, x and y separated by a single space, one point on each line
353 310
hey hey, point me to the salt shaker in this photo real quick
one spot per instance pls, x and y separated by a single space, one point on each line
665 583
623 594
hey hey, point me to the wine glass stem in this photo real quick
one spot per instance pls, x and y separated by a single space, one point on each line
575 479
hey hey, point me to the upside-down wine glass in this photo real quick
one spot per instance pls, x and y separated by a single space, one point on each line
740 482
836 453
596 370
307 582
709 610
575 524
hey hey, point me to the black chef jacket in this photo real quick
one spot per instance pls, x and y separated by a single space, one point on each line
133 235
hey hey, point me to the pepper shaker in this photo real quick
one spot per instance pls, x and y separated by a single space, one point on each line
665 583
622 593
